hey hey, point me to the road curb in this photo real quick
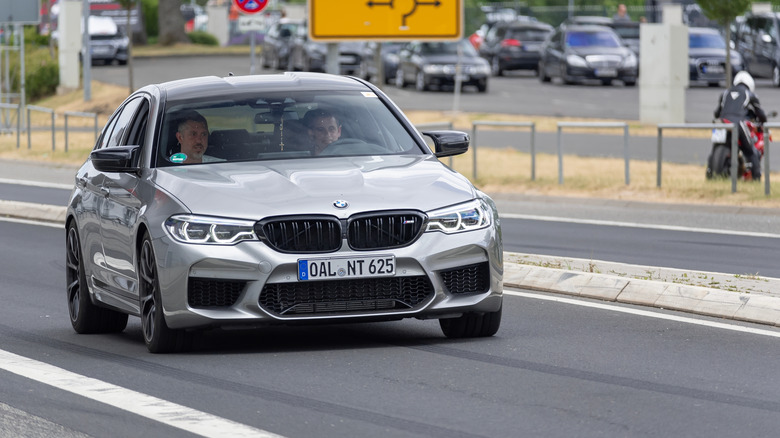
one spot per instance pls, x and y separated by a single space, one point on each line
761 309
32 211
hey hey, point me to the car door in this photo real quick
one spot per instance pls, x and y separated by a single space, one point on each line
120 205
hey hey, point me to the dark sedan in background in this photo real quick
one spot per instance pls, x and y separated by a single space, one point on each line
276 43
514 45
576 53
707 56
308 55
434 64
389 59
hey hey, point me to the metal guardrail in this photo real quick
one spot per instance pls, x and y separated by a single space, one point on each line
767 169
53 127
18 108
593 125
79 114
531 125
728 126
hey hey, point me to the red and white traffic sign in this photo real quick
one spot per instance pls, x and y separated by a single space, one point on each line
251 6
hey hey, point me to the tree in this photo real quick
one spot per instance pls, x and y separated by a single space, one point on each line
724 12
171 23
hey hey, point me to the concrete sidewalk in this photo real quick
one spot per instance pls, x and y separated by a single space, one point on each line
755 300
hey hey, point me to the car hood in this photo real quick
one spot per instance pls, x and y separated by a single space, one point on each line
585 51
707 53
253 190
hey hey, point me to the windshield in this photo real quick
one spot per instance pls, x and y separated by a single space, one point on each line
706 41
592 39
280 125
628 32
448 48
526 34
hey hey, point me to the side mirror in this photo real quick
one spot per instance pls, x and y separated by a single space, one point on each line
116 159
448 143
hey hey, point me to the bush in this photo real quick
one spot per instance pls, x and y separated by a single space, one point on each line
149 9
204 38
42 73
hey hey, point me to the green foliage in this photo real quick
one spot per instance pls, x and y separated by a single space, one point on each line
32 37
42 73
204 38
724 11
149 10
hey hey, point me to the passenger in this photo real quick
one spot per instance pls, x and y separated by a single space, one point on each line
192 133
324 128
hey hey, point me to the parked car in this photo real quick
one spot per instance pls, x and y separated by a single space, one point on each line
576 53
707 56
389 56
756 39
264 232
514 45
107 43
308 55
276 43
434 64
629 33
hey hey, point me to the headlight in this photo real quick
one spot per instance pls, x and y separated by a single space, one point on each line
576 61
472 215
482 69
209 230
433 69
630 61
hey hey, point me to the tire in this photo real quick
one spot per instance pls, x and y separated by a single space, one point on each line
495 67
606 82
629 83
159 338
543 74
399 79
85 317
776 76
721 162
482 86
472 325
419 82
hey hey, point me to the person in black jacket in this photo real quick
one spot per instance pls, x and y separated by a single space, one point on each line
738 104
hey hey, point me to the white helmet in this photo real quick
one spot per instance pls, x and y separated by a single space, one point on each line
744 77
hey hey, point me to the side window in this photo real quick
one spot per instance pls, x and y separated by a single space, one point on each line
137 132
120 124
107 132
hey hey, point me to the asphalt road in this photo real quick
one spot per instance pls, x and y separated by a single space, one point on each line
555 369
518 93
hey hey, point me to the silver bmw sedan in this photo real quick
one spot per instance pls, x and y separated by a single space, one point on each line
276 199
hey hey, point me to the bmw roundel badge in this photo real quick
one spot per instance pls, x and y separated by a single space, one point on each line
340 203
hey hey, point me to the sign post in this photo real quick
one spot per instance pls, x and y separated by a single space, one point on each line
251 7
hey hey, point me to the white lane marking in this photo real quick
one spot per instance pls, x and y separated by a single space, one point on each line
22 182
30 222
646 313
171 414
636 225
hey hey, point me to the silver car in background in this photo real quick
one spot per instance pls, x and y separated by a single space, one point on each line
373 228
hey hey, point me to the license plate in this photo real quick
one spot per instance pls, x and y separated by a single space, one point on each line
463 78
718 135
345 267
606 72
100 50
712 69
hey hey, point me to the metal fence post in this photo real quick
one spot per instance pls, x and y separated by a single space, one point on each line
474 141
626 153
29 140
734 155
66 132
560 157
533 152
658 164
767 140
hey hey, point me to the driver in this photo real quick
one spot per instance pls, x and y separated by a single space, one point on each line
324 128
740 103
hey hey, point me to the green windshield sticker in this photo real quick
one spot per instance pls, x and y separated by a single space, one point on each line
178 158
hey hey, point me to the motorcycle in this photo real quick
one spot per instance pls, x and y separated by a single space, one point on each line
719 161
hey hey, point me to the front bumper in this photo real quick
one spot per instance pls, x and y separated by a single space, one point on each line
244 270
581 73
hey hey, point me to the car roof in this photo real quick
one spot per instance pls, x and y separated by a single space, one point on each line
525 24
586 28
292 81
588 19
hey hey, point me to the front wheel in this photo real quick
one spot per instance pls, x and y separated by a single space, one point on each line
419 82
472 325
85 317
720 162
158 336
399 78
776 76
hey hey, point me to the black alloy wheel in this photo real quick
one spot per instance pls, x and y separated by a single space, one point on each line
159 338
85 317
